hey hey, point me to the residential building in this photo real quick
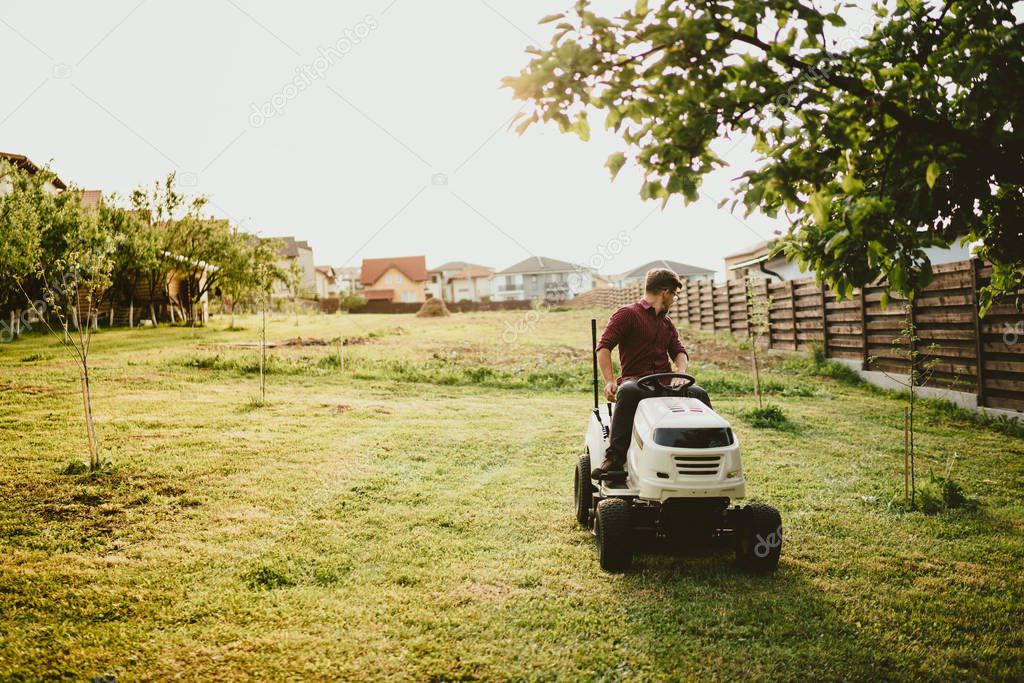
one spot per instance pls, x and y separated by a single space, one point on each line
541 278
296 252
55 186
440 278
336 281
755 262
683 270
471 284
600 282
460 281
399 279
326 282
90 199
346 279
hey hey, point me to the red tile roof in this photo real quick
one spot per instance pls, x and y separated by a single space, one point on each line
379 294
90 199
24 163
413 267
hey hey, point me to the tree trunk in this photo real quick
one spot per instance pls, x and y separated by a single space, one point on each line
170 307
131 312
263 357
152 312
90 427
74 316
757 373
111 323
14 329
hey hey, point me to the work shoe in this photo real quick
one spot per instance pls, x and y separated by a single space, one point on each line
606 467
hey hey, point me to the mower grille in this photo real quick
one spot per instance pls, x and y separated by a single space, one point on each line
706 465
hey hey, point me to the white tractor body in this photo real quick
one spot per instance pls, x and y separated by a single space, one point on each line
682 472
680 449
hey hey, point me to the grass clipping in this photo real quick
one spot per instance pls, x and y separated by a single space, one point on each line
433 308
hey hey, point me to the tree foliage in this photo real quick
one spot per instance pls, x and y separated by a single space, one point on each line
19 232
874 144
250 269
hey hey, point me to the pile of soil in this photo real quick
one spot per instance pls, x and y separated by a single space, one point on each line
433 308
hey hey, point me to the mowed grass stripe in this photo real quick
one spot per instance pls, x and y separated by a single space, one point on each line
389 526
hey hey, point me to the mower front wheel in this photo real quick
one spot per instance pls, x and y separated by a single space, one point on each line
612 528
760 538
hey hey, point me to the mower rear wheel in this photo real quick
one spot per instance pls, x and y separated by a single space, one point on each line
759 541
583 491
614 540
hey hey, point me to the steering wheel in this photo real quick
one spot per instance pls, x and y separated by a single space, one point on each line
648 382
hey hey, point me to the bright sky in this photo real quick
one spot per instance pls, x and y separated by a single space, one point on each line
396 144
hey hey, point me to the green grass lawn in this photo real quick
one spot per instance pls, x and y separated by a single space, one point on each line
411 517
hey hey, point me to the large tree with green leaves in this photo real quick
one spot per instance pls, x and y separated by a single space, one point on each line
874 143
193 243
63 260
19 241
139 252
249 270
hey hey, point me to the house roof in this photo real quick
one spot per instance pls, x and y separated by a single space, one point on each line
26 164
326 270
291 246
754 251
413 267
90 199
471 272
378 294
675 266
452 265
541 264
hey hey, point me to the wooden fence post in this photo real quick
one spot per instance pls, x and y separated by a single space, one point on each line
792 313
979 346
728 306
864 328
824 320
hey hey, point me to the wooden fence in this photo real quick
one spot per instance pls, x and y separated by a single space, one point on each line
983 356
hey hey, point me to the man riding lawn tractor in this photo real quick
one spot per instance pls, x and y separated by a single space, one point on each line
646 338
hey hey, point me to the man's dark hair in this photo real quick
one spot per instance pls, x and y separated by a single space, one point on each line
659 279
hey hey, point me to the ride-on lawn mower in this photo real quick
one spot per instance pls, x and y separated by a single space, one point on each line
682 471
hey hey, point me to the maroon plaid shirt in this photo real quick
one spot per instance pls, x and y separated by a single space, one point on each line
645 339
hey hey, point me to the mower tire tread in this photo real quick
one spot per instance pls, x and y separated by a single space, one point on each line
614 534
760 539
583 491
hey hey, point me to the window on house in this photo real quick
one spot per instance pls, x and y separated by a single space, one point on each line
408 297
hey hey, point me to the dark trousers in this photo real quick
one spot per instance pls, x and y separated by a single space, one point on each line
629 396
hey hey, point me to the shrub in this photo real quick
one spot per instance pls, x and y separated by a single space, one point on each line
817 365
768 417
941 493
